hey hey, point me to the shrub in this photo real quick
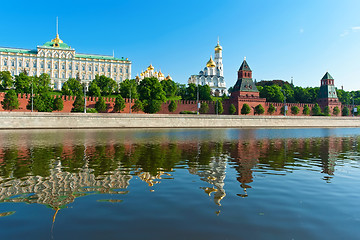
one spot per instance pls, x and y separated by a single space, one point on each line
316 110
204 108
327 111
119 103
137 107
295 110
336 111
245 109
232 109
10 101
219 109
172 106
282 110
78 105
91 110
271 109
100 105
306 110
345 111
259 109
58 104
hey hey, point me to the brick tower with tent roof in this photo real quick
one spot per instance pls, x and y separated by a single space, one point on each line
327 93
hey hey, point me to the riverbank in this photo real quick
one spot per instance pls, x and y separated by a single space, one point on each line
25 120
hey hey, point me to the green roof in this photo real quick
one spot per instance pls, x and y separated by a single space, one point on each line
327 76
18 50
327 91
100 57
244 66
61 45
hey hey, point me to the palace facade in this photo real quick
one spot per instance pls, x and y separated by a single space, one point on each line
61 62
213 74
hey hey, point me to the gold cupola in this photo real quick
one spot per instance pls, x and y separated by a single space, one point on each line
168 77
210 63
150 67
161 74
57 41
218 47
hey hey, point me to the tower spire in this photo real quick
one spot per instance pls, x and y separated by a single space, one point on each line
57 26
218 40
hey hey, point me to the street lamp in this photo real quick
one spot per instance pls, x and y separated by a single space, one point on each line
197 97
32 95
130 98
285 107
84 97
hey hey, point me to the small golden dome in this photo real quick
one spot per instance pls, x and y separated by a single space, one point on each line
218 48
57 40
210 63
168 77
161 74
150 67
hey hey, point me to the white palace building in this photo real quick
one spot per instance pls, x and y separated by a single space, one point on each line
61 62
212 75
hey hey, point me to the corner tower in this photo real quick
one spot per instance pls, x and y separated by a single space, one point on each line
244 83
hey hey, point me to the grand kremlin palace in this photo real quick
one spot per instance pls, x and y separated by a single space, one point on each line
60 61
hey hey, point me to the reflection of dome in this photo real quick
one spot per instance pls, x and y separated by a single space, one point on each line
210 63
150 67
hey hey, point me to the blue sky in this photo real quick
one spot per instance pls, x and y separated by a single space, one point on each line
280 38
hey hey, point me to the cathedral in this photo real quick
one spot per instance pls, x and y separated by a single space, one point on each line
151 72
213 74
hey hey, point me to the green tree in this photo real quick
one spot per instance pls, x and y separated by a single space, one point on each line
169 87
232 109
151 94
138 106
336 111
219 107
107 85
327 111
22 83
10 101
271 109
58 104
42 102
100 105
345 111
172 106
316 110
72 87
127 86
245 109
306 110
78 105
205 93
259 109
272 93
6 80
119 103
42 84
295 110
204 108
94 90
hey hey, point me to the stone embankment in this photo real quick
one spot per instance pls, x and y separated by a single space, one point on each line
26 120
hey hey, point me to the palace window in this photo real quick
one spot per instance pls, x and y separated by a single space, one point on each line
63 66
56 66
63 75
27 64
49 65
34 64
83 67
121 70
69 66
56 75
42 65
114 69
127 70
12 63
77 67
96 68
102 69
20 63
108 69
5 63
89 68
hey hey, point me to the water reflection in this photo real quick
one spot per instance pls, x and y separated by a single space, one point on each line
55 168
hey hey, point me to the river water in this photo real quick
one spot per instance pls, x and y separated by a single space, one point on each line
180 184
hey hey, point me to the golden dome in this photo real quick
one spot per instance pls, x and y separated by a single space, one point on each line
210 63
168 77
150 67
57 39
218 48
161 74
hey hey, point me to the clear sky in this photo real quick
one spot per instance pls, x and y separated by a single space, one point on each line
280 38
